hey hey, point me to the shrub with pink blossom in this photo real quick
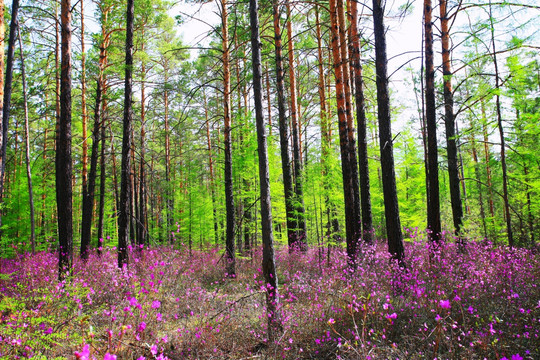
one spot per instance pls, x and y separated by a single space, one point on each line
477 302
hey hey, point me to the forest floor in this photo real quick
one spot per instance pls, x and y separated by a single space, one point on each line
476 303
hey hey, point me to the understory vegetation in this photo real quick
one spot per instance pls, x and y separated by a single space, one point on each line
471 302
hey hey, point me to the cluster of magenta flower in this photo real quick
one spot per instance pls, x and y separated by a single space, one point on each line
449 302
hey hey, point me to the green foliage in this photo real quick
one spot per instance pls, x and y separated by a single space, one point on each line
192 82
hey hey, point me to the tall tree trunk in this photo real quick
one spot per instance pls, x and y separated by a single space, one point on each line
487 160
229 199
501 134
351 220
423 129
102 182
300 232
211 168
479 186
268 262
27 151
134 202
103 59
169 194
391 208
57 72
114 177
462 172
347 81
323 114
43 192
84 114
88 196
326 135
269 100
365 196
529 211
283 128
434 211
2 139
7 95
64 190
449 121
125 187
142 232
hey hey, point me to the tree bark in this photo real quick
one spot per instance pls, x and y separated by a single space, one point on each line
391 208
283 129
7 96
103 59
351 220
487 160
102 182
449 121
57 72
300 232
169 193
42 222
211 168
134 200
142 229
64 190
269 101
229 197
478 185
434 211
365 196
125 185
88 196
530 216
2 138
27 151
347 81
84 114
501 134
268 262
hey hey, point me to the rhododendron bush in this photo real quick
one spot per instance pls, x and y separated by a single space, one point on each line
479 302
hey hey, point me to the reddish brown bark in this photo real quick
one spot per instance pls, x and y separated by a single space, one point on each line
352 220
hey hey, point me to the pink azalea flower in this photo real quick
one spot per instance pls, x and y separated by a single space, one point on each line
142 326
84 354
445 304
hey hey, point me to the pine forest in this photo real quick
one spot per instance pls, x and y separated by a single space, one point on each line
269 179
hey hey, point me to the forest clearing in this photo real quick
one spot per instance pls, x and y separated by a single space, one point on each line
341 179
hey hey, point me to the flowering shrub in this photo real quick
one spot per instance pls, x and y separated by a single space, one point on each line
483 301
